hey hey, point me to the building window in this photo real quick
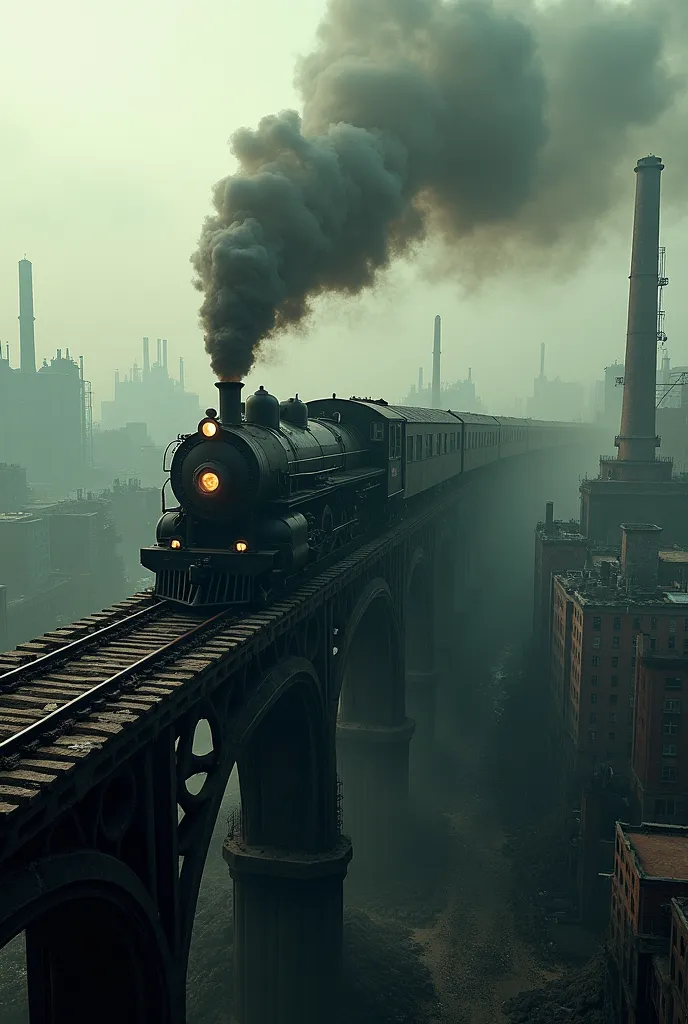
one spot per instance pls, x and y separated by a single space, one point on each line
614 698
673 683
593 698
612 735
419 447
612 718
592 735
672 643
597 622
615 662
670 727
669 773
672 625
596 642
617 623
593 718
593 680
653 622
653 643
672 706
595 659
616 641
668 750
614 680
636 624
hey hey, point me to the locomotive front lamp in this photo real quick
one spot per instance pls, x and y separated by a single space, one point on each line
208 481
241 546
209 428
175 544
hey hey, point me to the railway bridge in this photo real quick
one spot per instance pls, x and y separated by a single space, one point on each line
110 788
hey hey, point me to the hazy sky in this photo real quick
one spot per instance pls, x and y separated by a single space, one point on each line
114 127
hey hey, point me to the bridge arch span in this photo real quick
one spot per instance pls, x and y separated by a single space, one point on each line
370 683
95 947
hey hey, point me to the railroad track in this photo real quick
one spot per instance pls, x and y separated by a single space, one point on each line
67 676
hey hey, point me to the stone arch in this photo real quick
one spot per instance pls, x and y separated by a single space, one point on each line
370 684
419 614
95 946
285 761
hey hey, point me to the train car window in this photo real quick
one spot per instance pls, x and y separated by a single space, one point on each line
445 444
428 446
452 442
419 447
395 441
377 431
439 444
410 448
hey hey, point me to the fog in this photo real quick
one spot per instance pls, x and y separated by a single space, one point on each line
117 130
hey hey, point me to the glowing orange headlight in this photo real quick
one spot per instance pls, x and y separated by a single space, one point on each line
209 428
208 481
241 546
175 544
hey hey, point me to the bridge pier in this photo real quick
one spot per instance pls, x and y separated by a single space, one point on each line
287 932
374 767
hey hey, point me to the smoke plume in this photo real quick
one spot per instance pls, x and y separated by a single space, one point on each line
486 125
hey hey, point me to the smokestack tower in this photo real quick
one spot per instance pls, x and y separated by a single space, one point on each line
181 372
638 439
420 380
146 357
542 359
27 346
159 347
164 354
436 352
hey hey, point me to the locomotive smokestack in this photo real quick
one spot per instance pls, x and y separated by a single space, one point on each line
27 346
436 364
637 440
230 401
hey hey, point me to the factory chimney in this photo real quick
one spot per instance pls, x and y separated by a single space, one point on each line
436 378
146 357
542 359
181 372
27 346
159 347
420 380
164 354
637 440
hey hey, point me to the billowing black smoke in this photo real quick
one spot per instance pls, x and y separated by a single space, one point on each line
487 125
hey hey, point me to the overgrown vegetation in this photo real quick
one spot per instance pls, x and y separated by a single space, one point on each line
576 999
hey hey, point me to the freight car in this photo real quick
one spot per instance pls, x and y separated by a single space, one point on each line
267 490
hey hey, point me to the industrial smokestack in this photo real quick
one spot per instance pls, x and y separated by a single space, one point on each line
420 380
549 517
164 354
159 347
230 401
181 372
27 346
436 376
637 440
542 359
146 357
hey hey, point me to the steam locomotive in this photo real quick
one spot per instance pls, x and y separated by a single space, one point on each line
269 489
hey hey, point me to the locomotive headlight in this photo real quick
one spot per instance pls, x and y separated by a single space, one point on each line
209 428
175 544
207 481
241 546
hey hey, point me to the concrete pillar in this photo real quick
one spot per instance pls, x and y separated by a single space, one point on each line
373 762
287 932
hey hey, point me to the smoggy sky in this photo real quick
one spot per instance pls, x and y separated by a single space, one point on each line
115 123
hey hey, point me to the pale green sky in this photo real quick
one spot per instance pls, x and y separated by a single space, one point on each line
114 125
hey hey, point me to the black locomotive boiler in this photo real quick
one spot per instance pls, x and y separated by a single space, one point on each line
261 497
267 493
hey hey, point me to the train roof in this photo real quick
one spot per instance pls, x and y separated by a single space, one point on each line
415 414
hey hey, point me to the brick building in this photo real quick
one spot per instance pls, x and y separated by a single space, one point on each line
559 546
660 743
597 615
650 869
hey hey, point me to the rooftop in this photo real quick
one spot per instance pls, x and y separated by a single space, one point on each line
659 851
592 589
561 530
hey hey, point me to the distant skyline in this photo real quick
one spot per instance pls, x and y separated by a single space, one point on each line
117 130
